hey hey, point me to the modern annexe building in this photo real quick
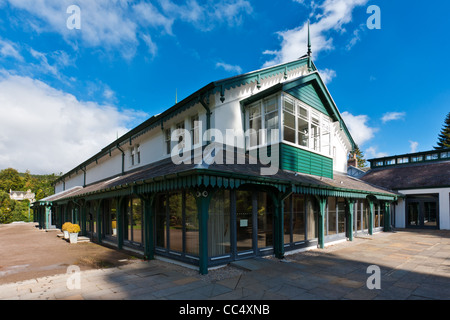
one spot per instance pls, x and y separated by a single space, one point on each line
133 195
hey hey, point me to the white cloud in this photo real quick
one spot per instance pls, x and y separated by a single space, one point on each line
390 116
358 127
47 130
356 36
104 23
10 49
212 13
229 67
327 75
372 152
413 145
115 24
152 47
333 16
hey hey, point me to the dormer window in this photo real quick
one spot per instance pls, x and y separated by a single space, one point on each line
135 155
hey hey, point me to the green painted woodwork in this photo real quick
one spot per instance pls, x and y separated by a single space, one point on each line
308 94
99 221
203 208
120 219
321 223
299 160
351 206
371 215
387 216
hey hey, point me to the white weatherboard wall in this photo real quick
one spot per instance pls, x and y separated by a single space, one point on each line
444 206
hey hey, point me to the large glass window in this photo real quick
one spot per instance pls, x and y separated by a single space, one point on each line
265 220
133 221
161 220
305 126
289 120
366 214
176 222
244 221
271 119
376 216
219 224
298 217
195 130
312 211
332 218
341 215
255 125
192 232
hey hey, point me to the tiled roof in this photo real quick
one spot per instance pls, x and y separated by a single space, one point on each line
166 169
413 176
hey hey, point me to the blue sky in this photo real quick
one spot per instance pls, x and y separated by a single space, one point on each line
66 93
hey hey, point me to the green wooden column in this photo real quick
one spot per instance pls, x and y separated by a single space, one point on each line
351 209
371 215
203 198
83 210
47 213
99 220
119 221
322 212
149 243
387 216
278 244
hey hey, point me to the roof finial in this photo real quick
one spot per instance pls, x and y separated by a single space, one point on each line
309 41
309 49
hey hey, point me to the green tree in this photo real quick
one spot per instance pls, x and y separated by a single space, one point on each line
10 180
359 157
444 136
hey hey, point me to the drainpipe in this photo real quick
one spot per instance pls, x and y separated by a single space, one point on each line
84 179
208 113
123 159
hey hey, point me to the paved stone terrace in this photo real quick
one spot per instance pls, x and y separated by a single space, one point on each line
414 264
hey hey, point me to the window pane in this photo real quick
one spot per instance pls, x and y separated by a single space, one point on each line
376 216
303 132
332 215
341 215
160 220
255 124
176 222
287 220
265 220
244 221
315 133
195 134
312 212
430 214
298 216
219 224
289 121
192 232
137 220
413 213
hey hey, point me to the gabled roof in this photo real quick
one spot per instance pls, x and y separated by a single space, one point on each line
212 88
322 100
411 176
164 175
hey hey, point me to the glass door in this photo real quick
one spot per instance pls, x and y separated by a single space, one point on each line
244 222
413 214
430 214
422 211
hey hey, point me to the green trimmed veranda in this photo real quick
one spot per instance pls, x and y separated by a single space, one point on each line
195 214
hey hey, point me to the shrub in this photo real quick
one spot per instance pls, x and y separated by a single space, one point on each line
74 228
65 226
